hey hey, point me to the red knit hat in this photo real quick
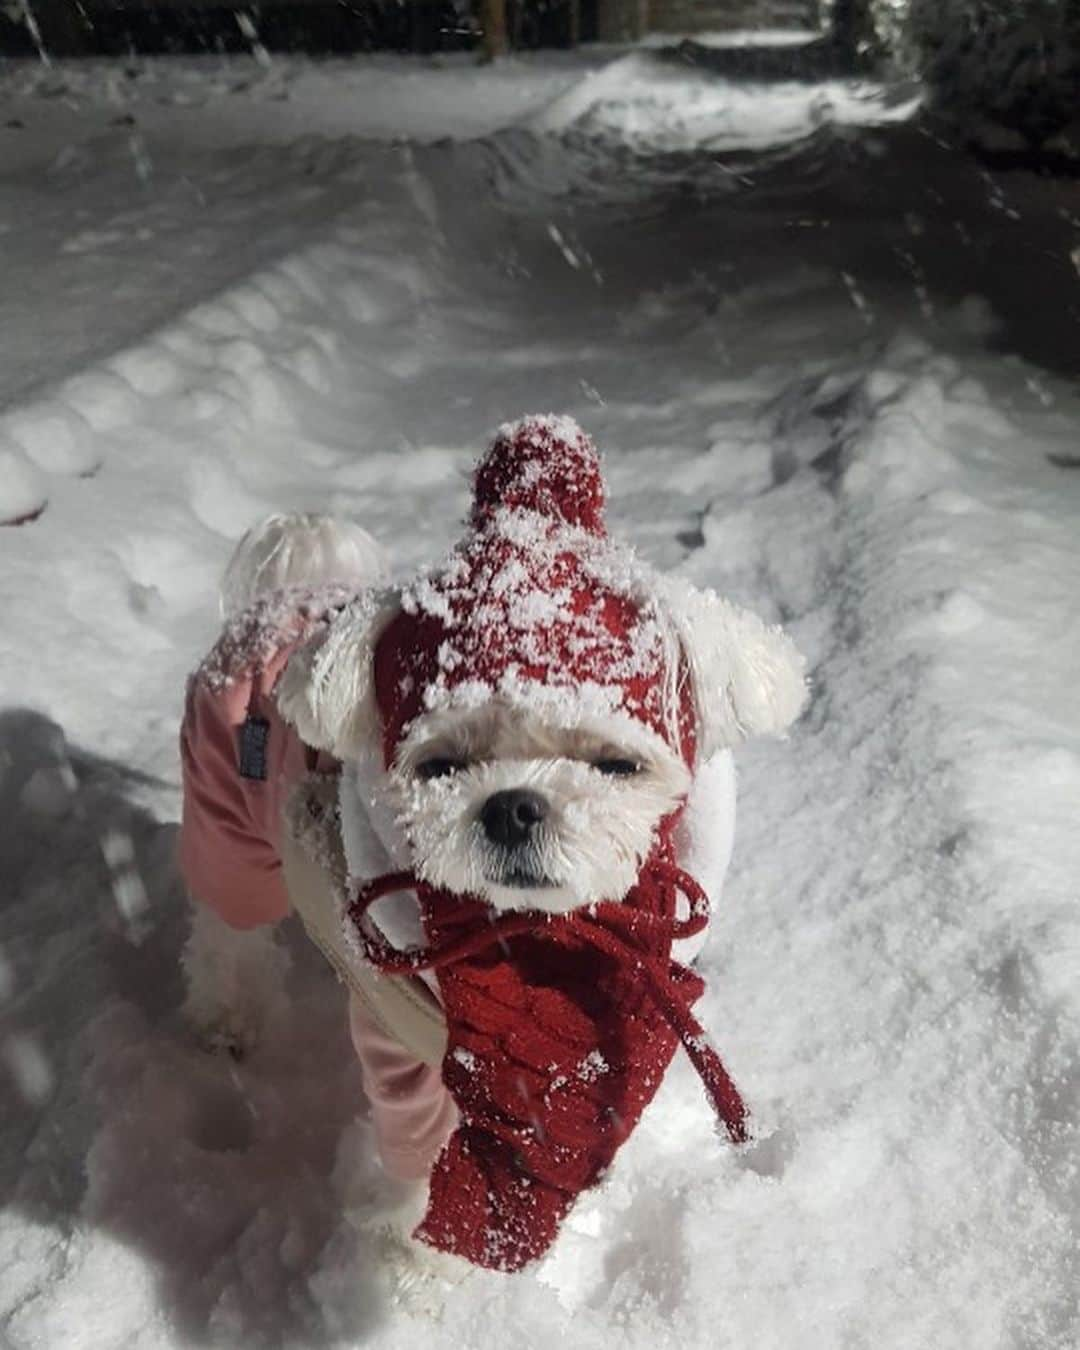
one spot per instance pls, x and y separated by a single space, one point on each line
536 606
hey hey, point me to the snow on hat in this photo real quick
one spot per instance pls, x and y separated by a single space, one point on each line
539 608
545 465
536 606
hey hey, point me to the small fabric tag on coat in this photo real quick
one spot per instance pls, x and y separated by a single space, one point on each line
254 735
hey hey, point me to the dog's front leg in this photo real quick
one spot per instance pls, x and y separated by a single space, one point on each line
233 977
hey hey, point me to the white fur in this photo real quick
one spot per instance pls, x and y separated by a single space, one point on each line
704 839
598 830
373 845
300 550
369 837
327 691
748 676
233 978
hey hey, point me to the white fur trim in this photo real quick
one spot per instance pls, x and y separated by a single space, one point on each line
367 853
327 691
748 677
373 845
704 838
300 550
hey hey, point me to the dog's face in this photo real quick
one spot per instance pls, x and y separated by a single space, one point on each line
496 803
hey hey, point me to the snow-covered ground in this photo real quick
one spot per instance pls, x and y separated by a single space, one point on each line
818 348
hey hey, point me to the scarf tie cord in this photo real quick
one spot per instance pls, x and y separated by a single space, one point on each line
560 1028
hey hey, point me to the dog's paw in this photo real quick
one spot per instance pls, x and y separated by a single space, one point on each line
384 1207
421 1278
385 1212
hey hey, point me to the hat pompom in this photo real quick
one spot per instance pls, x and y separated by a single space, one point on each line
302 549
546 465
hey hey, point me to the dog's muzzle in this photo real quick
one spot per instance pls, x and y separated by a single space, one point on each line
511 821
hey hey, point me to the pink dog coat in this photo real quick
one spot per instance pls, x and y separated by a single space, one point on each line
240 760
229 849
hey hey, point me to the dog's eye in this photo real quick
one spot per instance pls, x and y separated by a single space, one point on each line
439 766
617 768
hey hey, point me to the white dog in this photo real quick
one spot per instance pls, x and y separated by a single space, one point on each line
531 747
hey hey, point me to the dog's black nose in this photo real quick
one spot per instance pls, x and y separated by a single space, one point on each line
510 817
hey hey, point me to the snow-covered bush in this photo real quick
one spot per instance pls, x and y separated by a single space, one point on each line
1013 62
1016 62
878 25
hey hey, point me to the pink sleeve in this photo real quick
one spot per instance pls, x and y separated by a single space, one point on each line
227 853
411 1108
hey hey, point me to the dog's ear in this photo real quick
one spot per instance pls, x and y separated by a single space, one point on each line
327 691
748 676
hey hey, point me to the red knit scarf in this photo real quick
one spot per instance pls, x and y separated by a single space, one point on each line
560 1030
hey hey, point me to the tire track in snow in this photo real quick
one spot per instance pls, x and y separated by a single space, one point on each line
909 1064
